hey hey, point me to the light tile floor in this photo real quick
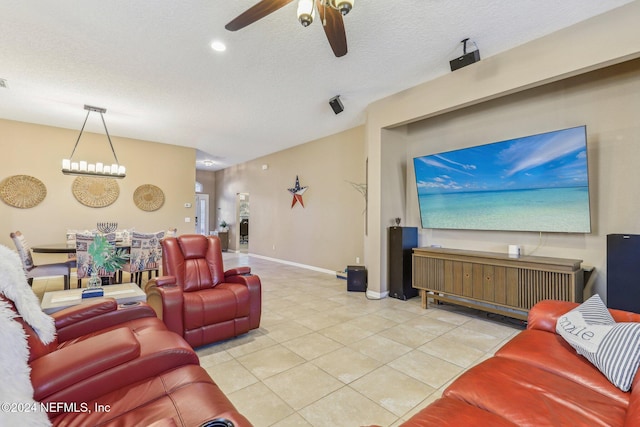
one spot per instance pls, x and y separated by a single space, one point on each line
327 357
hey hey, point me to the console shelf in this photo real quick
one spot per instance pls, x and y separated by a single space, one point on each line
494 282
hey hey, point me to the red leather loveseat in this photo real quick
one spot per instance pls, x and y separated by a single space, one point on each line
196 298
536 379
113 365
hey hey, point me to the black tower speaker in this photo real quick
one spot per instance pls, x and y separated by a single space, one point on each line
401 242
356 278
623 272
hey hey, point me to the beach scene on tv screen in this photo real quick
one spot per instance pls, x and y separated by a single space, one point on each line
535 183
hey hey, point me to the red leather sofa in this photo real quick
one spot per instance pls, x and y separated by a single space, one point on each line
114 365
535 380
197 298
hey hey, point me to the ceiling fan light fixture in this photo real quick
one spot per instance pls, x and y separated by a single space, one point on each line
343 6
306 12
218 46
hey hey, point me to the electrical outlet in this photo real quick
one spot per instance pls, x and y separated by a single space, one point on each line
187 219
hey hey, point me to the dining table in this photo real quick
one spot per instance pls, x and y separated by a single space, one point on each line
70 248
54 248
65 248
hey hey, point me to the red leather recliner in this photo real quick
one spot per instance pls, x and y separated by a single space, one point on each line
196 298
100 347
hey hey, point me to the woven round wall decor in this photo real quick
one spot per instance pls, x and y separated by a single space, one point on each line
22 191
148 197
95 192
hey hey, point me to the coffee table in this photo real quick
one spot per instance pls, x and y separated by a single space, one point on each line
123 293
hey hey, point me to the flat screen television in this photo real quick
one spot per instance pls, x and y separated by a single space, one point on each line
535 183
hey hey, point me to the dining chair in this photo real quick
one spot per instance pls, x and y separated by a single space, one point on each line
71 241
145 255
84 263
32 271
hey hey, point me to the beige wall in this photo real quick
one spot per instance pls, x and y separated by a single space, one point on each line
605 101
605 40
36 150
328 232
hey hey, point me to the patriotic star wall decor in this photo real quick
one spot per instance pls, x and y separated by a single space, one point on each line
297 193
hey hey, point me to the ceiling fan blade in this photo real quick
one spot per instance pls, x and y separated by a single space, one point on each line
334 28
258 11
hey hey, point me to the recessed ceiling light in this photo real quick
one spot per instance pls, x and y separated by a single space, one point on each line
218 46
208 163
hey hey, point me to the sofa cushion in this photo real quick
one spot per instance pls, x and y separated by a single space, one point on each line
185 395
612 347
551 353
160 350
455 413
531 397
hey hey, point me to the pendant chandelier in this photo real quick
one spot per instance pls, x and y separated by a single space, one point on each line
99 169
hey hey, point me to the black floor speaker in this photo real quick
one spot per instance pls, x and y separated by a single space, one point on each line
356 278
402 240
623 271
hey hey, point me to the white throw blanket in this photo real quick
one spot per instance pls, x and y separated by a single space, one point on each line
16 391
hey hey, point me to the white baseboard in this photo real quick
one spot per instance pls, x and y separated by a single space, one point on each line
370 294
295 264
377 295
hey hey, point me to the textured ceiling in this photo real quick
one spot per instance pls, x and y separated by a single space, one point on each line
149 62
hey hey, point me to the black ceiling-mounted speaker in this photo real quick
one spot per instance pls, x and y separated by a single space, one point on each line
336 104
467 58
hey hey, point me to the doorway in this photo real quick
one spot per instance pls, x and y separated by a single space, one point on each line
242 208
202 214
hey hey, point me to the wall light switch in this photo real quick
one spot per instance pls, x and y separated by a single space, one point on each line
187 205
187 219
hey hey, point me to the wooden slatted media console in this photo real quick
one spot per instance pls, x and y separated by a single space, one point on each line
495 282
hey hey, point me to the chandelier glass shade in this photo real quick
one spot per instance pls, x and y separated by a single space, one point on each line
306 12
99 169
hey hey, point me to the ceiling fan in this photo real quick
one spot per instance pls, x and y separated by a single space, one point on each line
330 11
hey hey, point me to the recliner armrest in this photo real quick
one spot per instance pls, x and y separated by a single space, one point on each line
238 271
80 312
163 281
544 314
92 316
70 365
166 299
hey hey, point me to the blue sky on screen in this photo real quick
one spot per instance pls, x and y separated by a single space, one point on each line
553 159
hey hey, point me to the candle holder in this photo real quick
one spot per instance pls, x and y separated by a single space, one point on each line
107 227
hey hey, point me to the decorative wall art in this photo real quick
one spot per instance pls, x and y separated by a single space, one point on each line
22 191
148 197
362 189
297 193
95 192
